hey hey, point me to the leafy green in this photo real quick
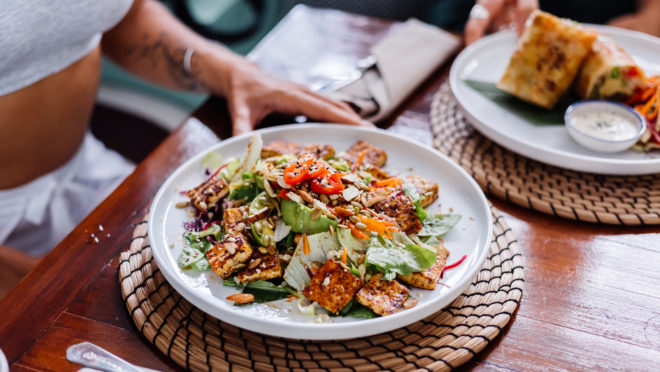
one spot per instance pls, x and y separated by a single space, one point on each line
212 161
360 311
533 114
232 282
248 190
264 291
228 172
615 73
393 258
439 225
410 190
192 254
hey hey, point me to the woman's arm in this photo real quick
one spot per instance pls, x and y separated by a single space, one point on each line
153 44
644 20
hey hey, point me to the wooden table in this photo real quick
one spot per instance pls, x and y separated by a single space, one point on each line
592 293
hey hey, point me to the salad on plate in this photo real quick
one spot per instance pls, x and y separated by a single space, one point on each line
333 231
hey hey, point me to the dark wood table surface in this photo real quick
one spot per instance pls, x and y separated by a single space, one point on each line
591 297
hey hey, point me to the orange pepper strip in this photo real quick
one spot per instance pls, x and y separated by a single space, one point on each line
343 256
359 161
647 106
654 114
305 244
356 232
394 181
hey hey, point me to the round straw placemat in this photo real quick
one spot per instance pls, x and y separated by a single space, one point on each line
442 341
615 200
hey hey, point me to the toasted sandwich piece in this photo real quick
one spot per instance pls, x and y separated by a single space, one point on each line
333 286
233 216
209 193
279 147
401 208
547 60
428 190
260 267
320 151
383 297
608 72
229 255
373 155
427 279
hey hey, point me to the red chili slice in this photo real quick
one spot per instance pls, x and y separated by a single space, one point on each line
296 172
316 170
328 184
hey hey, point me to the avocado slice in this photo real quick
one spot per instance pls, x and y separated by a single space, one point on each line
256 205
299 218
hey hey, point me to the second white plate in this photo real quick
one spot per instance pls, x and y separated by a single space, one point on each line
486 61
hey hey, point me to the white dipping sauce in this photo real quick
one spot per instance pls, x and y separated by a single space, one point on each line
605 124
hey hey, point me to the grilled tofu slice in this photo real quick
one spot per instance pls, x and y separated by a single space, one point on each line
226 256
232 217
401 208
209 193
279 147
333 286
428 190
374 155
376 172
383 297
550 52
324 152
427 279
260 267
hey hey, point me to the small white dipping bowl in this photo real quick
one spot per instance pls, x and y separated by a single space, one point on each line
592 141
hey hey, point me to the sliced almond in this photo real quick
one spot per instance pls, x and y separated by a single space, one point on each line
375 200
410 302
254 263
241 298
308 198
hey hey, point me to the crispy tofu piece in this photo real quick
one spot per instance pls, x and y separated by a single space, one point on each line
401 208
226 256
279 147
233 216
428 190
333 286
376 172
374 155
550 52
260 267
324 152
208 193
383 297
427 279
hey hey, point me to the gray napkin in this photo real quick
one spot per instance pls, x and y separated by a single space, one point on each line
405 59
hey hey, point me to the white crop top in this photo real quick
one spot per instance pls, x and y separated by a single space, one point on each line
41 37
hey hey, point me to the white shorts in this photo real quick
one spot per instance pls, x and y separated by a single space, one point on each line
34 217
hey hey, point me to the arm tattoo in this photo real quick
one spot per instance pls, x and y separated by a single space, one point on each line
165 51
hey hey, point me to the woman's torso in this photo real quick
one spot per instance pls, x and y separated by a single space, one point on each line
50 64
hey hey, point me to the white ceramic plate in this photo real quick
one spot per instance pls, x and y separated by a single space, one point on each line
486 61
457 191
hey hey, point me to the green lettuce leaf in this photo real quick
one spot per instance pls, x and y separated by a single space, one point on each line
392 258
264 291
439 225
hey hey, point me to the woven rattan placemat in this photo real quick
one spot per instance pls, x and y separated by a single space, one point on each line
447 339
615 200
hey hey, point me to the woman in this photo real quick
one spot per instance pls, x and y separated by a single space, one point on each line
52 172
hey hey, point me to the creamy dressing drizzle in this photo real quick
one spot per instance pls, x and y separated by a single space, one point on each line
606 125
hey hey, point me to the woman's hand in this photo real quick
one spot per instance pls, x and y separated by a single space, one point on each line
494 15
252 94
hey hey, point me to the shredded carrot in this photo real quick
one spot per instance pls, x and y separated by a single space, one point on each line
394 181
381 227
305 244
359 160
654 113
356 232
291 298
343 256
647 106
